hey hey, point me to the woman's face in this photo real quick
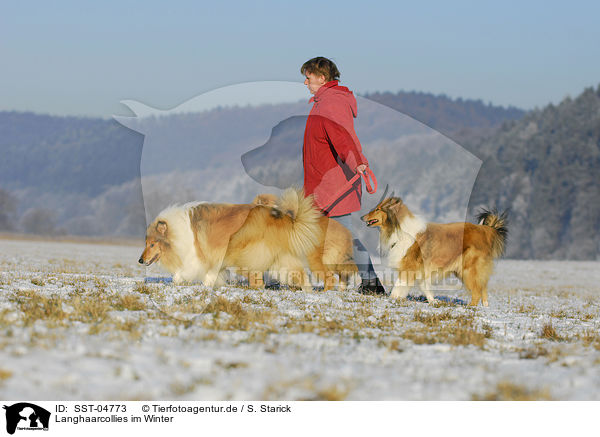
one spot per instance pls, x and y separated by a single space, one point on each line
314 82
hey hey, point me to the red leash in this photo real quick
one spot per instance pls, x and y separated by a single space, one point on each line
368 176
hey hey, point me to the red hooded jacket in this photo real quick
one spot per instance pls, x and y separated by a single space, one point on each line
331 150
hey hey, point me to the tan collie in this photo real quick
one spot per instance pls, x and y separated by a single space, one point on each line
333 255
277 239
419 250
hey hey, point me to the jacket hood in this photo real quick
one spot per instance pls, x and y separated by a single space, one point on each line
331 90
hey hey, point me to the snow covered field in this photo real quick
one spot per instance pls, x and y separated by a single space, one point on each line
78 322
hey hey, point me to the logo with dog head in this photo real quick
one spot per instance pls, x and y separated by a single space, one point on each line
26 416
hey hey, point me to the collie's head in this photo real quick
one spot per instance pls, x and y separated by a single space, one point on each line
388 214
156 242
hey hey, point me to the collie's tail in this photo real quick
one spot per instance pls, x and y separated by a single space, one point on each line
498 222
305 231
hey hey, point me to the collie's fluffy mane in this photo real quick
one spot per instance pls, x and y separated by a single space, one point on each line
402 225
177 218
401 232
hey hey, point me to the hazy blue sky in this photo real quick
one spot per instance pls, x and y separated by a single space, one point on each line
82 58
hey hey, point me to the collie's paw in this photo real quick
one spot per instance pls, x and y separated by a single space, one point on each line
308 289
399 292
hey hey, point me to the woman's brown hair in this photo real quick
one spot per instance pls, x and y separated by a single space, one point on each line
321 66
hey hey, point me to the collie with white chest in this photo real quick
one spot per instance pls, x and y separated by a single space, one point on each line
190 240
419 250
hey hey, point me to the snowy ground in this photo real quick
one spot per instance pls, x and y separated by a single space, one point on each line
78 322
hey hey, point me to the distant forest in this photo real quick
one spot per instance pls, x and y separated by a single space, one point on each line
457 118
545 167
82 176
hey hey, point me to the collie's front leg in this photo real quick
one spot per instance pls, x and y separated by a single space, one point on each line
426 287
211 278
400 289
177 279
182 277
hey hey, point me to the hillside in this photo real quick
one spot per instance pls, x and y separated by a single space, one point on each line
66 154
85 155
82 176
459 119
546 169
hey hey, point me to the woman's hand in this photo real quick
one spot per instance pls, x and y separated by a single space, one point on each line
361 168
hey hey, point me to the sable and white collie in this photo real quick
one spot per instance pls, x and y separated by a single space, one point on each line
419 250
332 255
198 241
190 240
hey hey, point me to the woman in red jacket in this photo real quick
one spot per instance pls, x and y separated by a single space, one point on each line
332 155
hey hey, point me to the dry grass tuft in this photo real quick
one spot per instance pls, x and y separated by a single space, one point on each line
100 284
526 309
189 304
321 325
144 288
85 305
533 352
549 333
258 300
89 308
392 345
34 306
130 302
433 319
179 388
459 330
240 318
5 374
590 338
231 365
332 393
133 328
5 321
561 314
38 281
507 391
221 304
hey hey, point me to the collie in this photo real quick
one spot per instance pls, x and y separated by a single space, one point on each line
199 241
333 254
190 241
273 237
418 250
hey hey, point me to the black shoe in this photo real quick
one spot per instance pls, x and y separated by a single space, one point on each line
371 287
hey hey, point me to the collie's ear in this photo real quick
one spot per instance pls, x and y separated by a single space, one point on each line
265 200
394 203
161 228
